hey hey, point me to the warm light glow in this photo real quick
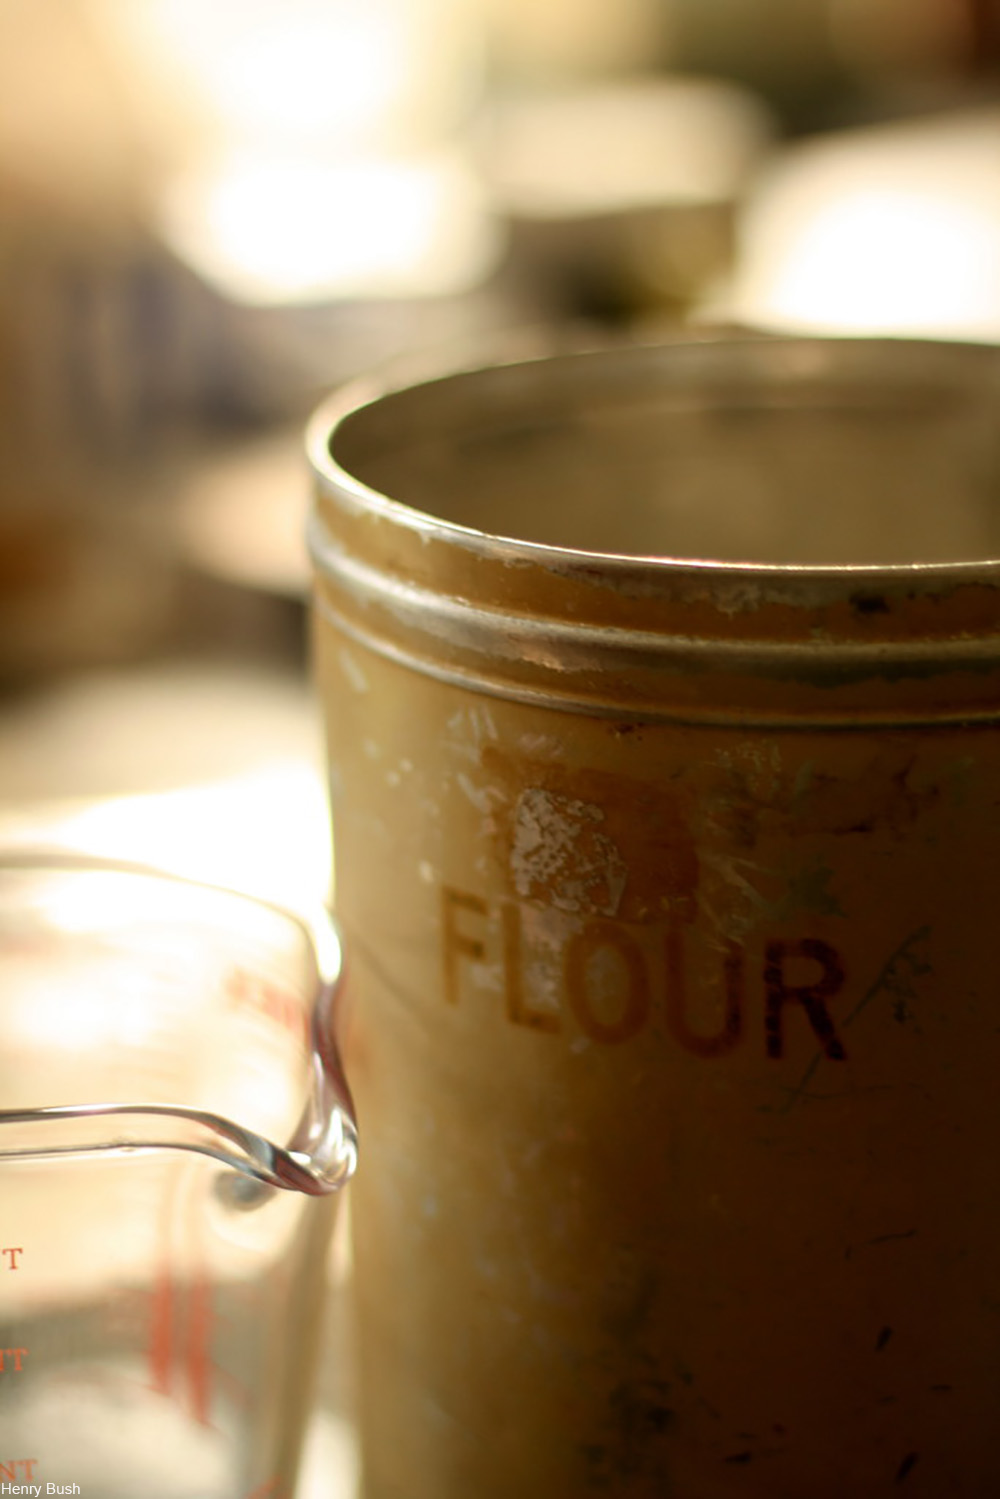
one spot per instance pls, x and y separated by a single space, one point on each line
140 1015
146 990
883 260
86 1003
309 148
264 832
888 231
616 147
294 75
275 230
287 72
330 1459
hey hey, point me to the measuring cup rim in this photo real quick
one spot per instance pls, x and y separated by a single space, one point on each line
321 1154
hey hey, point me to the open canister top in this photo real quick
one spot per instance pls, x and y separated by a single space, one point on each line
770 530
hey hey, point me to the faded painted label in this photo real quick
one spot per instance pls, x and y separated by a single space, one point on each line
559 846
613 980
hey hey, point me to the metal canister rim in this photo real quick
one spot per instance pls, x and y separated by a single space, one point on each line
657 636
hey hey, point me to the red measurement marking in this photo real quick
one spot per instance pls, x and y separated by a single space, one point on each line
8 1469
182 1366
9 1356
13 1253
161 1333
198 1361
181 1316
249 991
271 1488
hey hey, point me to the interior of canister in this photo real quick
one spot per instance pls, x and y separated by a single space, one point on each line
811 453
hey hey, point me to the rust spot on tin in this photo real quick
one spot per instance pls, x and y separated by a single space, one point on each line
590 842
869 603
884 794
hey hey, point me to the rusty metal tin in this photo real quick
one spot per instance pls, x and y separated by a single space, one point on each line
666 883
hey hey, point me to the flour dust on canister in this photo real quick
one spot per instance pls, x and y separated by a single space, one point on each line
662 688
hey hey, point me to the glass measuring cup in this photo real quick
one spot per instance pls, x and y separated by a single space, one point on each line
174 1126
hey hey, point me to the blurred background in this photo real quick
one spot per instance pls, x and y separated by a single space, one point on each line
213 211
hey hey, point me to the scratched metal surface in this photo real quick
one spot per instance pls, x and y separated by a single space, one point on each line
665 879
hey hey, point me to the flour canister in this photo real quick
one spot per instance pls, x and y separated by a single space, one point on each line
662 689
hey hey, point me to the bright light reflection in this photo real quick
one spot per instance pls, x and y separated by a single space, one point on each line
295 74
892 230
146 1013
85 1003
885 260
265 832
264 1093
319 69
143 916
273 230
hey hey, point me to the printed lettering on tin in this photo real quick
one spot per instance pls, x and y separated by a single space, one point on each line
608 981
